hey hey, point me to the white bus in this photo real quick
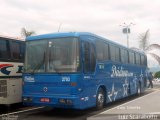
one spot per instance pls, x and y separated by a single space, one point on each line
11 65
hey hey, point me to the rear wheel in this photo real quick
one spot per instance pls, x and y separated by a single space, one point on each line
100 99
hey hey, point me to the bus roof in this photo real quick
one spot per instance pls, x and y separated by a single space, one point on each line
11 38
75 34
56 35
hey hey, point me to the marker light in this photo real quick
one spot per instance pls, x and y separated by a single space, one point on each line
73 84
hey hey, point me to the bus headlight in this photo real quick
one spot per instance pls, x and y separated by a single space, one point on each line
69 102
62 101
27 99
30 99
66 101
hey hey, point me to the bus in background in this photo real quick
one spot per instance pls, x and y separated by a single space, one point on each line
80 70
11 64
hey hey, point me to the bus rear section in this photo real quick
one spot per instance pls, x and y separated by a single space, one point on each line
11 65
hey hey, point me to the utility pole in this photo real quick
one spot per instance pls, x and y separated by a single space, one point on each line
126 30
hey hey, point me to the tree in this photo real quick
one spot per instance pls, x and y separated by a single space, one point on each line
25 33
146 47
157 75
144 37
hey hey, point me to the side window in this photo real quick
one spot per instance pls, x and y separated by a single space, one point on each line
142 60
102 50
92 58
117 55
137 59
123 60
99 49
131 58
106 51
4 49
15 50
145 60
22 49
112 52
89 57
126 56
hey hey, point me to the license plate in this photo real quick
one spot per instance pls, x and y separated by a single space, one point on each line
45 100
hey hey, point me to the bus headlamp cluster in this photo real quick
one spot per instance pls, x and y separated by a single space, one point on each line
66 101
27 99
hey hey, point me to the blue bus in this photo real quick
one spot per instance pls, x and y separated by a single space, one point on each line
80 70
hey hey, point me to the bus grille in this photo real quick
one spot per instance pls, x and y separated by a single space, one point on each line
3 88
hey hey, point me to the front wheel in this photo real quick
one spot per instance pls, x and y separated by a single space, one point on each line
100 99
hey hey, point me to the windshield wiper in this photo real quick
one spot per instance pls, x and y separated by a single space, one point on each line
55 69
39 65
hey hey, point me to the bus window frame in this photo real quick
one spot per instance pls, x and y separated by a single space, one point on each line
84 39
47 57
9 48
7 45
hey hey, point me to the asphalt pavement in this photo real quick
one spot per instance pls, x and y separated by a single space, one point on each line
146 107
142 107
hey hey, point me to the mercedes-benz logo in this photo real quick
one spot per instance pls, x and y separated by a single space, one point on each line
45 89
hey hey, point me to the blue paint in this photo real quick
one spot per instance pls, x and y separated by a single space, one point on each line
119 79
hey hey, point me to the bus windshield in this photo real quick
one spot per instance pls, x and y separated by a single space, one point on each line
60 55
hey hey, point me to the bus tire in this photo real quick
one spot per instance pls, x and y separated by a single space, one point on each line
100 99
139 90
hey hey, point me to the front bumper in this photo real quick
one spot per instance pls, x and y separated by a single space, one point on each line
57 101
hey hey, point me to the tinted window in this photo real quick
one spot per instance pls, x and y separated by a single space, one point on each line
4 49
62 55
22 49
131 58
15 50
35 56
102 50
106 51
86 57
92 58
89 57
137 59
117 55
124 55
99 49
143 60
112 52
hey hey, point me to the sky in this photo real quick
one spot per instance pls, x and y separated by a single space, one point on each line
105 18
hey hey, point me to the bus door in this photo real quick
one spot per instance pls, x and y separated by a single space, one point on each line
89 63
